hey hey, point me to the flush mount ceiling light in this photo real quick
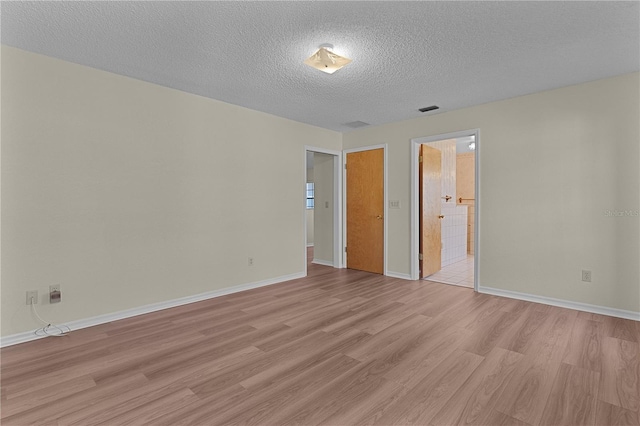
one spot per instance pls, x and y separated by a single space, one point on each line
326 61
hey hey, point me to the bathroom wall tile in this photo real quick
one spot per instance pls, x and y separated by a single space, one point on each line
454 224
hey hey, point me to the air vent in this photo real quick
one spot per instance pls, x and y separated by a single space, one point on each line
356 124
429 108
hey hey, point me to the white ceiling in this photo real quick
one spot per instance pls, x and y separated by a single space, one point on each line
406 55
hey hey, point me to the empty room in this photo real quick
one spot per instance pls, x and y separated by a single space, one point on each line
320 213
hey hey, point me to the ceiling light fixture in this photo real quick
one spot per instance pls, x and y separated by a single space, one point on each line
326 61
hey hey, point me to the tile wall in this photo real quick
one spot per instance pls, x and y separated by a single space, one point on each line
448 177
465 188
454 223
471 223
454 233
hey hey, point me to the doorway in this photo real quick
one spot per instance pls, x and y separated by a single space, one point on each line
322 207
454 206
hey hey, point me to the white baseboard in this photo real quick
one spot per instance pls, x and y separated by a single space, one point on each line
102 319
398 275
27 336
322 262
595 309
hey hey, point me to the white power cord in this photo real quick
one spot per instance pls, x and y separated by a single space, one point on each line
48 327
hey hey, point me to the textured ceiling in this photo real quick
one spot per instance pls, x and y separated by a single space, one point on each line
406 55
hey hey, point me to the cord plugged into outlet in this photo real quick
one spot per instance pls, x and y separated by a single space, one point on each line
32 297
49 329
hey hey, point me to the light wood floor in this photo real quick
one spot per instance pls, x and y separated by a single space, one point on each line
339 347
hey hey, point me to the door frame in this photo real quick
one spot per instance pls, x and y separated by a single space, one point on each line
338 246
385 197
415 200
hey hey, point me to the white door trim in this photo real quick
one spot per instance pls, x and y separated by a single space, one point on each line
415 199
338 246
386 202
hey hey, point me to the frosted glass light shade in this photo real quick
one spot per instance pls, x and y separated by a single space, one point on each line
326 61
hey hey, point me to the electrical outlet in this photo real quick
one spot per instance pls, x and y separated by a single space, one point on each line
32 297
586 276
250 261
55 296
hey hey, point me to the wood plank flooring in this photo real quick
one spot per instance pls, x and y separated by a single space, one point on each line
339 347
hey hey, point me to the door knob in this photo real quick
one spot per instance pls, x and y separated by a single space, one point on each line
379 217
441 216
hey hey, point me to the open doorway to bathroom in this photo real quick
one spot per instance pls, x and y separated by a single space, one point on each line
457 208
445 208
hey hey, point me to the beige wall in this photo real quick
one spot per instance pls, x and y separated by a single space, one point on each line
551 165
465 176
310 227
323 211
126 193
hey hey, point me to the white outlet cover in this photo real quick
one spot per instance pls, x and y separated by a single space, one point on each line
31 294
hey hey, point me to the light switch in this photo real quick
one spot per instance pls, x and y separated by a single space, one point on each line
394 204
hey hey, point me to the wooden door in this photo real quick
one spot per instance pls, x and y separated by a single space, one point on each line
365 209
430 192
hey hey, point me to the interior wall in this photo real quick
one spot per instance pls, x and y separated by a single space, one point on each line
554 169
323 211
309 213
466 189
126 193
447 150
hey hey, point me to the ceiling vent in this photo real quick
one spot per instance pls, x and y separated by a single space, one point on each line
429 108
356 124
